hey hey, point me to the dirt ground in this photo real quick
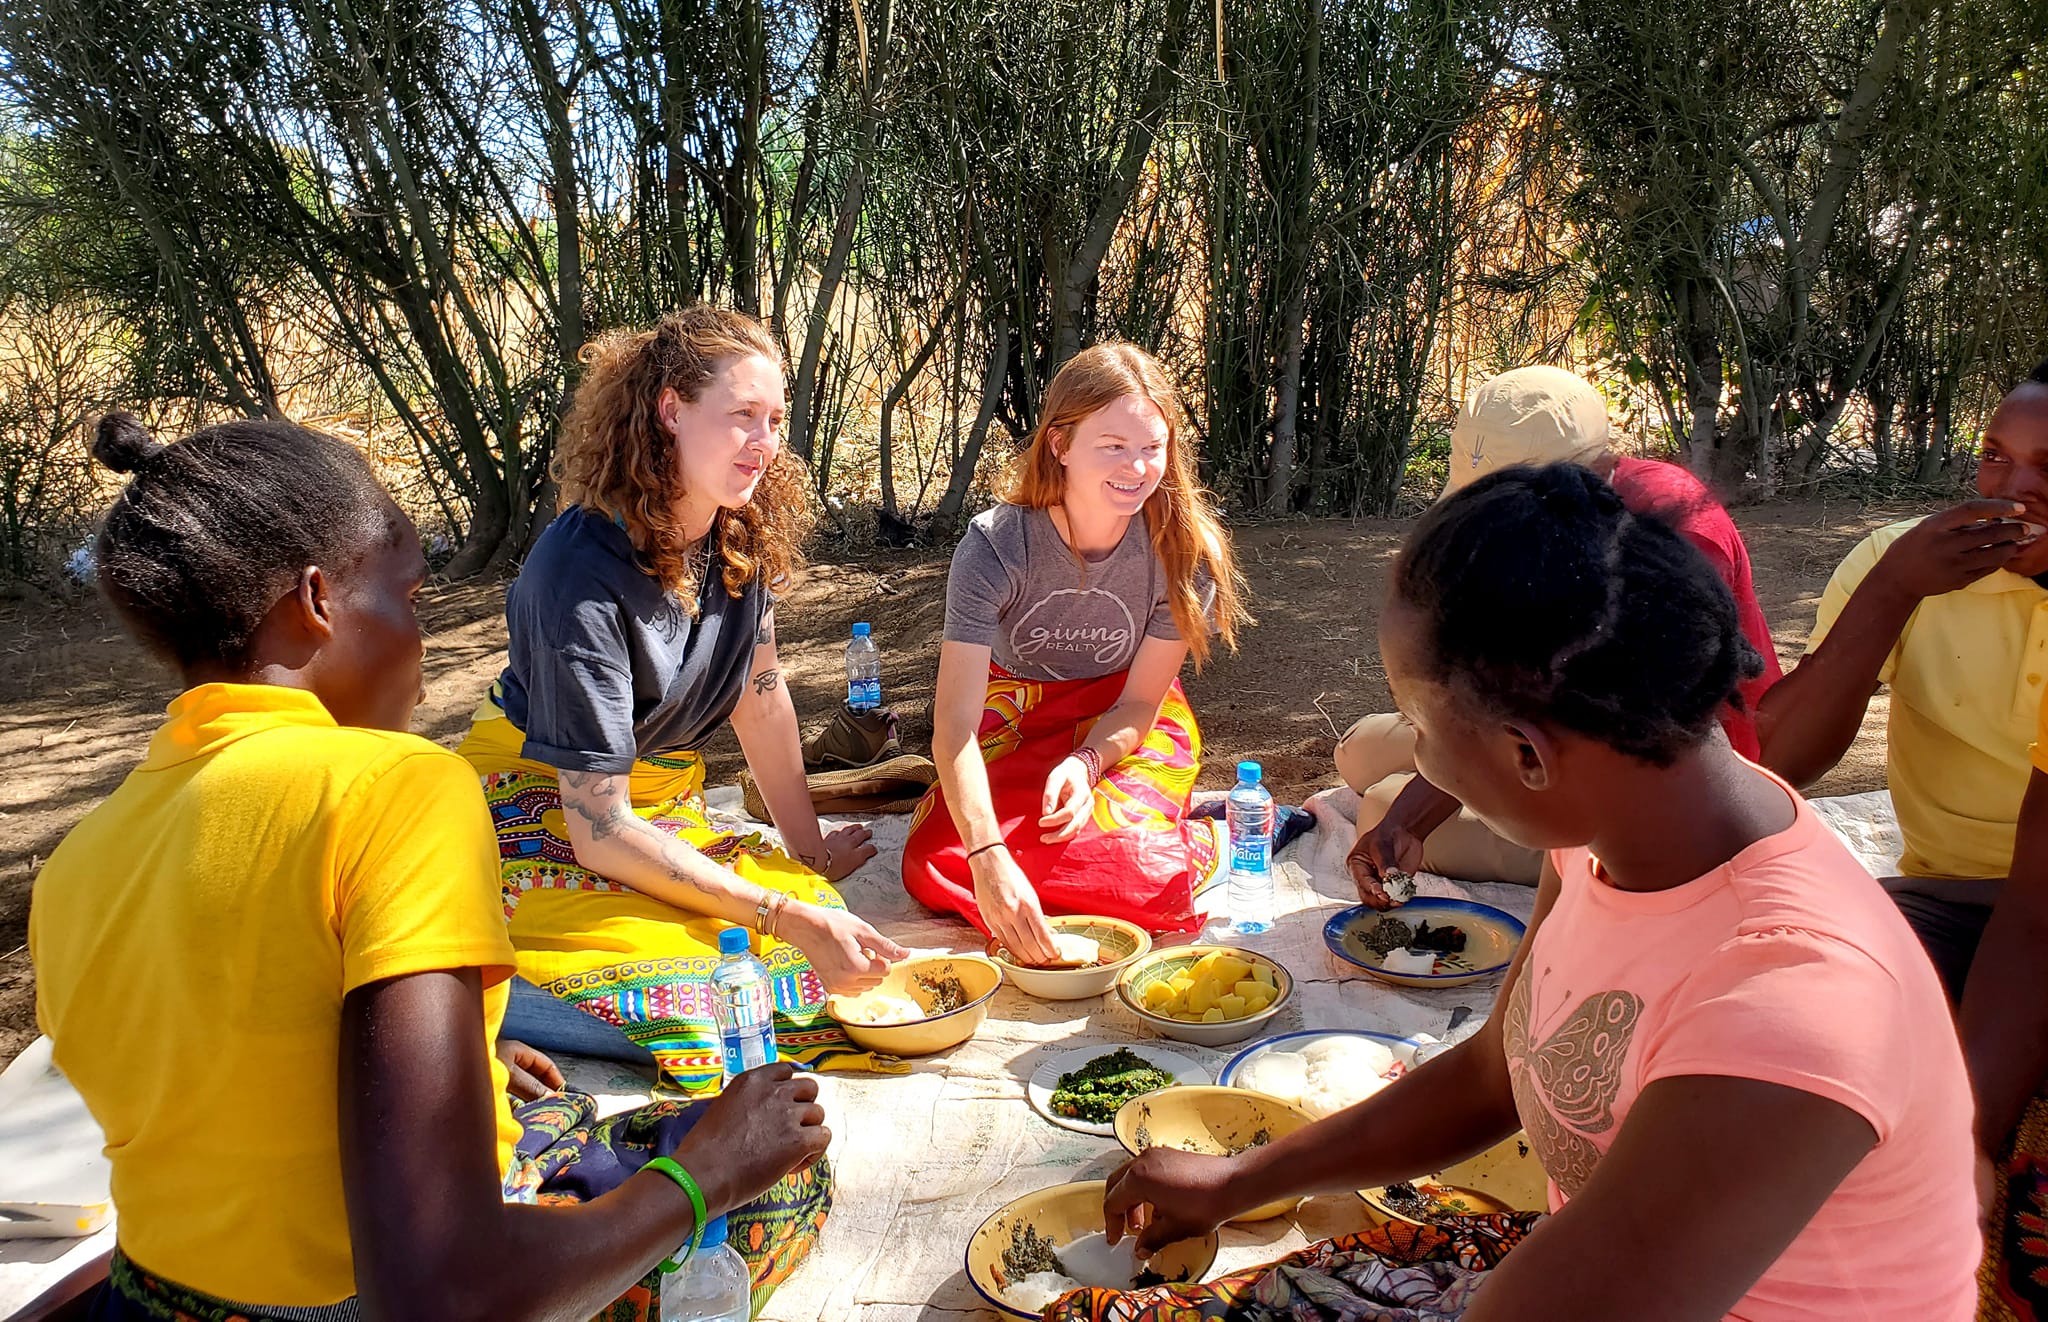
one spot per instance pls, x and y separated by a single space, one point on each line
78 701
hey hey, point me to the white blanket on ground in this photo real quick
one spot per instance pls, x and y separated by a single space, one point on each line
920 1159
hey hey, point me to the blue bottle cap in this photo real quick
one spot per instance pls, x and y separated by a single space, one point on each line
714 1234
1249 772
860 630
733 941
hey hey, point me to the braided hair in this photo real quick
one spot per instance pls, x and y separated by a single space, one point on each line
211 531
1546 599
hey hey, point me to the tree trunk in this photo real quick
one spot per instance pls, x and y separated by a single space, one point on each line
802 393
797 216
742 216
1934 462
1703 403
1286 400
911 372
951 505
1881 405
678 109
1080 271
802 406
1806 460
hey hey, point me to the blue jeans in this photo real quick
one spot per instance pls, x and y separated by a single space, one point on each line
540 1020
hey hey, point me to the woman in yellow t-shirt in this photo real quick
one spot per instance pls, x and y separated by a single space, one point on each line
274 963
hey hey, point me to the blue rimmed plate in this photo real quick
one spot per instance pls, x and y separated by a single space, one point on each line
1402 1047
1491 936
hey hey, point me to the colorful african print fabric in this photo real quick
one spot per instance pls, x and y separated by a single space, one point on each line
1138 856
579 1157
628 959
2013 1280
566 1155
133 1295
1394 1273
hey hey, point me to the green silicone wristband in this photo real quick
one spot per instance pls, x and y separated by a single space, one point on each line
688 1185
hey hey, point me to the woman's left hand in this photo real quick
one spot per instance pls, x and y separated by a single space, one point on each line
845 850
1068 796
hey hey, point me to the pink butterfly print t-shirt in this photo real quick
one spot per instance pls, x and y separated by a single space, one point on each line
1789 965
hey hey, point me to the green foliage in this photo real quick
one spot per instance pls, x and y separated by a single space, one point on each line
1776 229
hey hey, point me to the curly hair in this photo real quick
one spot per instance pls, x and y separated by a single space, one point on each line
1186 532
615 456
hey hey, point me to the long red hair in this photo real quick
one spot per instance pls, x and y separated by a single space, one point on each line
1186 533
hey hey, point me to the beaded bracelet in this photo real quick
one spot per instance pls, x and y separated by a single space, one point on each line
688 1185
1091 760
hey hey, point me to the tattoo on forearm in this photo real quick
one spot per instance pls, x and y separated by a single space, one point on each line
601 800
677 856
766 634
596 797
766 681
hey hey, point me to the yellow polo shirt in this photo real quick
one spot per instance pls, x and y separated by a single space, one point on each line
193 938
1967 683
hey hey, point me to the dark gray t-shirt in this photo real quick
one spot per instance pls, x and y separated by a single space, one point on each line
1016 588
605 665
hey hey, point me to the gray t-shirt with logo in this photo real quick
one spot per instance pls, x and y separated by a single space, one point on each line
1016 588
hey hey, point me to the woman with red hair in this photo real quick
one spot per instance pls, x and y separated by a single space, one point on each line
1065 746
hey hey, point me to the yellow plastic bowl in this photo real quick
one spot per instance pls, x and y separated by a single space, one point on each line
1063 1214
1122 942
979 978
1211 1120
1163 964
1504 1178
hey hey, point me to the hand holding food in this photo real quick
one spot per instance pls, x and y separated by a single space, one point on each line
1164 1195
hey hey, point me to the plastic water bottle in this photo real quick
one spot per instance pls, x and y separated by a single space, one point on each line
713 1286
863 671
1250 811
744 1000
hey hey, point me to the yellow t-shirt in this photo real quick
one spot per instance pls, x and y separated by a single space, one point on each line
1967 682
193 938
2039 751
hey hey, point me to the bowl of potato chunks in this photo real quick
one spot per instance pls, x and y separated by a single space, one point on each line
1208 995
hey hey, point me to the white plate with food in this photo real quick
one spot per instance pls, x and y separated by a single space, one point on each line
1323 1070
1120 1073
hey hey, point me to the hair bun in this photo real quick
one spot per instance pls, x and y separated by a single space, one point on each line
123 444
1573 490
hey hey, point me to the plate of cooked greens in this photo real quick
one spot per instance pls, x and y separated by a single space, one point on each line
1084 1088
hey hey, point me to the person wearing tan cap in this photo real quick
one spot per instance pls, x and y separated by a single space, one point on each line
1531 415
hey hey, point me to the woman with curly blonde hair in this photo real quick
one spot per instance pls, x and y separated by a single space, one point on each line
644 619
1065 746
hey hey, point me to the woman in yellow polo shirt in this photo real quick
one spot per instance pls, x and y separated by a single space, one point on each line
273 961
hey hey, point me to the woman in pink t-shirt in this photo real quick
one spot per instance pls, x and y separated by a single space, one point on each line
1721 1039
